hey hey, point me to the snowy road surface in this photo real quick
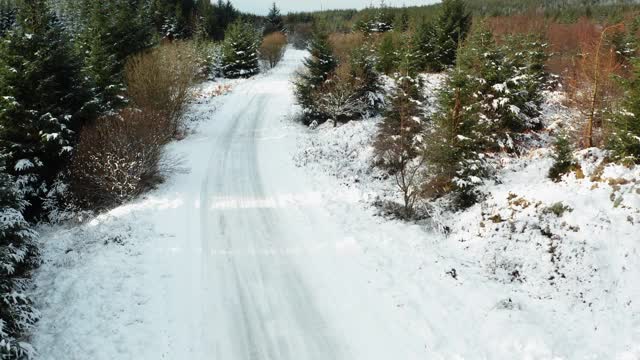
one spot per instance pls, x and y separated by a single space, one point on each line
235 259
280 279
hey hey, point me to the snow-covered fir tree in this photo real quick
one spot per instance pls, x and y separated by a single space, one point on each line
509 84
317 68
240 51
425 46
369 87
563 160
44 100
456 142
18 255
112 31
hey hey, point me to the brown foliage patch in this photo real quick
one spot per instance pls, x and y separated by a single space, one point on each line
272 48
159 81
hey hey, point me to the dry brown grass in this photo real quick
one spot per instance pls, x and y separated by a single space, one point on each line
272 48
159 81
343 44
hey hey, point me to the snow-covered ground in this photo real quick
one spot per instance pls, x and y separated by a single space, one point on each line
267 247
539 270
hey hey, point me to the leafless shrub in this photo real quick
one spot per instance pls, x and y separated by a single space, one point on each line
272 48
119 157
159 81
338 98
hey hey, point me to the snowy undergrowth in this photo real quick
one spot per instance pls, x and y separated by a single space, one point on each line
566 253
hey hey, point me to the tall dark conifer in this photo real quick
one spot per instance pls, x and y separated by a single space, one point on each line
454 22
44 101
274 21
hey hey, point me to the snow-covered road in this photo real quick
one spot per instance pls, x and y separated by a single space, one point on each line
236 258
280 279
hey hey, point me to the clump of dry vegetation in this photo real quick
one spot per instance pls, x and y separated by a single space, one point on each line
272 49
160 80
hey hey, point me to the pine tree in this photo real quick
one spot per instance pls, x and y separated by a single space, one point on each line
318 67
240 51
563 158
18 255
44 103
382 21
370 89
457 140
510 85
113 31
624 140
387 55
425 46
454 22
274 21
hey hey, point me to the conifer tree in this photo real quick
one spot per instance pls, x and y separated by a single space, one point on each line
45 100
18 255
318 67
454 22
563 158
425 46
274 21
370 87
511 79
456 142
387 55
624 140
240 51
113 31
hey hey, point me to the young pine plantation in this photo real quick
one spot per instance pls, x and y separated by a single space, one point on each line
516 141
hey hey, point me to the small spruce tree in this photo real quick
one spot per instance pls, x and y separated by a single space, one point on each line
240 51
369 88
456 142
563 158
453 23
318 67
387 55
